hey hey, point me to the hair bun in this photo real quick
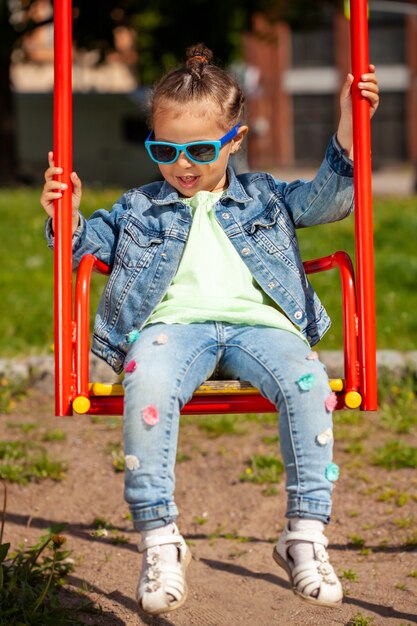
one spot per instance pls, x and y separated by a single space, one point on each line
199 53
199 57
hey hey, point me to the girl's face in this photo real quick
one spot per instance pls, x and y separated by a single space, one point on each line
194 124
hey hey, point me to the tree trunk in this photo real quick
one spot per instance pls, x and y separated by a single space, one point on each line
8 160
8 157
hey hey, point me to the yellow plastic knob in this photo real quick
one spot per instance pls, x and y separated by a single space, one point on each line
353 400
81 404
336 384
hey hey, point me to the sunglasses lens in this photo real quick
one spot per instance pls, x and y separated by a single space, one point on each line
202 152
163 154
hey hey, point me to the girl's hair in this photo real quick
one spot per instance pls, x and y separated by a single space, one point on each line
199 80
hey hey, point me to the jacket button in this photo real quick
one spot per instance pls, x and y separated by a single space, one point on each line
225 215
298 315
271 285
245 251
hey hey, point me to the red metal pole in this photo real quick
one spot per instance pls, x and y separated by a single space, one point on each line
63 209
363 208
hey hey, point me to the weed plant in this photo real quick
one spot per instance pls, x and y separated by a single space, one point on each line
395 455
360 620
31 579
263 469
11 391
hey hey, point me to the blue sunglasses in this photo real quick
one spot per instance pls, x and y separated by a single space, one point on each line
197 151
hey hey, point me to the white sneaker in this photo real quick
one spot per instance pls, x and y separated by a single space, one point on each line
314 580
162 586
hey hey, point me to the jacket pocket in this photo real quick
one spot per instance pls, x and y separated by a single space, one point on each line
136 248
272 233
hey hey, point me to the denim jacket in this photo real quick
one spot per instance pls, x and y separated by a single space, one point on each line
143 237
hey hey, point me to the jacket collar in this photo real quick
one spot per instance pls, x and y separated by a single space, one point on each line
167 194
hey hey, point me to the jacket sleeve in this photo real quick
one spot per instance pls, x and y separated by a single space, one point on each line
96 235
326 198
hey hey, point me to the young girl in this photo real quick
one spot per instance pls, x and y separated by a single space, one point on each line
207 281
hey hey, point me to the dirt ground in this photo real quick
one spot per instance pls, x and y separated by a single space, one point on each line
230 525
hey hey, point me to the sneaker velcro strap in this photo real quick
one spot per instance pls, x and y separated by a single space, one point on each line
160 540
308 536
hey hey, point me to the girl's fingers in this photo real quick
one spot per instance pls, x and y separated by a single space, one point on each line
348 83
368 84
51 159
52 185
53 195
371 95
51 172
76 182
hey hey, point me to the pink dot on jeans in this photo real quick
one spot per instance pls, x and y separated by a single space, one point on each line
130 367
150 415
331 402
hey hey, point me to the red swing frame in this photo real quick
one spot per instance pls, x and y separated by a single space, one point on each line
73 391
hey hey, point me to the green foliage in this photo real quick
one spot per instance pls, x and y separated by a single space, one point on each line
411 541
355 541
395 455
161 37
182 457
263 469
23 461
30 581
101 522
56 434
359 620
350 575
270 440
24 427
398 401
217 425
11 391
117 455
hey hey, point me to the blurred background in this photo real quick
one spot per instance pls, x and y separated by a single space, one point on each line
290 57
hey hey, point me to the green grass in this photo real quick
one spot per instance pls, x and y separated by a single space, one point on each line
26 284
350 575
395 454
263 469
11 391
398 402
26 274
218 425
24 461
395 271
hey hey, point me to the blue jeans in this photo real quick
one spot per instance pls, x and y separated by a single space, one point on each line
168 362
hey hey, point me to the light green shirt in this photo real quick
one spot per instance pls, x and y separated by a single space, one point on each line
212 282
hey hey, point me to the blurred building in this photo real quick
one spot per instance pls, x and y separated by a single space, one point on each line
295 107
